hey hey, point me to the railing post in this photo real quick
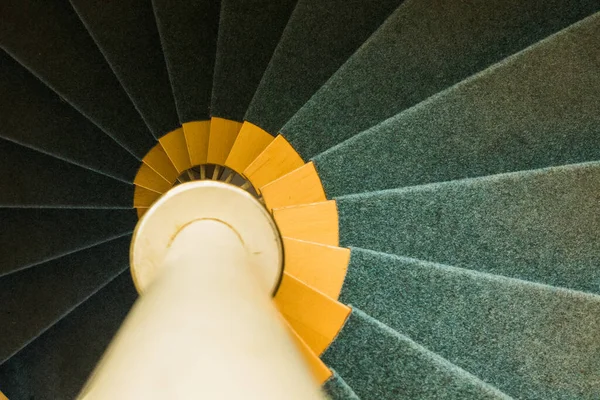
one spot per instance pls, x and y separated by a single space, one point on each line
204 328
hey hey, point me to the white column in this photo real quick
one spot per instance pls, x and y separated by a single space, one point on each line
205 328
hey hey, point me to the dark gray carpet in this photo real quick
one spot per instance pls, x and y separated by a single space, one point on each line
423 48
540 226
531 341
537 109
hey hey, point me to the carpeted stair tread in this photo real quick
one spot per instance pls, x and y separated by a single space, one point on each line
379 363
37 180
126 33
188 33
422 48
337 389
317 40
536 109
37 118
34 299
57 364
31 236
529 340
539 225
249 31
50 40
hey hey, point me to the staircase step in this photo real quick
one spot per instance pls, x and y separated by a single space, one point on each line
126 33
248 34
36 298
379 363
37 118
314 316
536 109
337 389
249 31
33 236
318 38
188 33
539 226
529 340
58 363
57 48
34 179
422 48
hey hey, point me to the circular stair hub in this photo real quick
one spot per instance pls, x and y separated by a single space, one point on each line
206 200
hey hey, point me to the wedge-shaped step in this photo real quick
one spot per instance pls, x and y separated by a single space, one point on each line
33 236
188 33
536 109
34 116
126 33
315 317
58 363
423 48
50 40
337 389
301 186
277 159
34 179
379 363
144 198
318 38
318 369
529 340
539 226
316 222
319 266
32 300
249 30
157 160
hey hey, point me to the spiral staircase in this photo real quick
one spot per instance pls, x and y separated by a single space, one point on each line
432 166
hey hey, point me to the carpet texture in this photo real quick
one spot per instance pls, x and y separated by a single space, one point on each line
39 119
50 40
529 340
423 48
38 180
318 38
249 30
36 298
536 109
366 354
188 32
53 233
337 389
126 33
540 226
58 363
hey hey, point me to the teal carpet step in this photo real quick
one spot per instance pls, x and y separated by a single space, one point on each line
36 298
31 236
188 33
538 108
367 354
337 389
57 364
539 226
39 119
37 180
126 33
423 48
529 340
50 40
249 31
318 38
